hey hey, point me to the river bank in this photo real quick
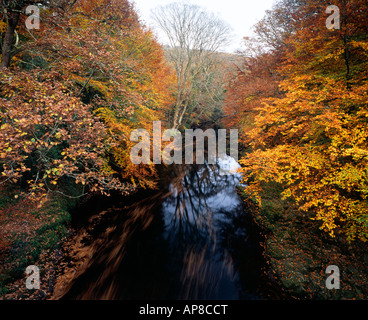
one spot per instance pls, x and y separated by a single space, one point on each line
31 234
56 237
298 253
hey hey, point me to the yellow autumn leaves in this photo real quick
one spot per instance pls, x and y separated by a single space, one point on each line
311 135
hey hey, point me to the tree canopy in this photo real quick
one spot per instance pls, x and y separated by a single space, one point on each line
73 92
302 108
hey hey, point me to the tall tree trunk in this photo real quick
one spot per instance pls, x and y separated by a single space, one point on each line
183 112
176 115
13 18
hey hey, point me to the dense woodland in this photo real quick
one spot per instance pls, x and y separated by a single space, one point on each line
72 92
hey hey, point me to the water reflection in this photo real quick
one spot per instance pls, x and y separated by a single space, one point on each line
197 215
199 195
190 242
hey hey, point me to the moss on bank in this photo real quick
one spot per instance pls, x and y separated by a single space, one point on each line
30 235
298 252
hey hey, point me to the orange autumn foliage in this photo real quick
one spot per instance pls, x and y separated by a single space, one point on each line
75 91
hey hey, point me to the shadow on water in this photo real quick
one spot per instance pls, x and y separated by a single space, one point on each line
191 241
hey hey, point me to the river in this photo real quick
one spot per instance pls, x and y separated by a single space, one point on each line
192 239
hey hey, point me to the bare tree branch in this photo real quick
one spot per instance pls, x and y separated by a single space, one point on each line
194 36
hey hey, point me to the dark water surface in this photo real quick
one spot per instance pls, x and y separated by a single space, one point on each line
191 240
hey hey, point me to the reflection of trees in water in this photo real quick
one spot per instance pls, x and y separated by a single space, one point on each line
243 251
198 226
188 208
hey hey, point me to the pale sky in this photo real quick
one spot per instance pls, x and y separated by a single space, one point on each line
241 15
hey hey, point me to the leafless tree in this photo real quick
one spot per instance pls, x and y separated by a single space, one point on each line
194 36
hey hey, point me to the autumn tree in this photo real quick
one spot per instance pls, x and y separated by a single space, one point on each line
97 62
48 137
311 139
258 76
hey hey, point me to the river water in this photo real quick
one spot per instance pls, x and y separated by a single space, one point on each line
190 240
